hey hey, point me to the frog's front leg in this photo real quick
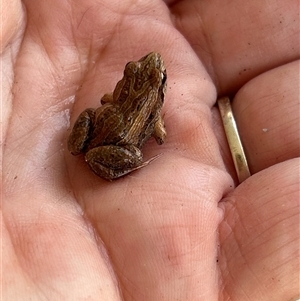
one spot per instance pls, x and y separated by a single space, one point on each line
80 133
107 98
111 161
160 132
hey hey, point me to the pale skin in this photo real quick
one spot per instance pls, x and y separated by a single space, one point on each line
180 228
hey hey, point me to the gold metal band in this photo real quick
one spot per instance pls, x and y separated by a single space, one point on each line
233 138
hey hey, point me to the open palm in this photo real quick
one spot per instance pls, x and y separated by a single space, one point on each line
180 228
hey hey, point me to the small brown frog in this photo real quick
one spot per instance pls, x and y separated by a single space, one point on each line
111 136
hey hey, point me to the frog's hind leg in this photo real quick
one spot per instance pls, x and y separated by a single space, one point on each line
111 162
80 133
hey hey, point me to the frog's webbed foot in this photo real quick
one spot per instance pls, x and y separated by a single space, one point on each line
111 162
78 138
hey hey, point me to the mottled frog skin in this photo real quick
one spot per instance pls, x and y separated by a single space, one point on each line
111 136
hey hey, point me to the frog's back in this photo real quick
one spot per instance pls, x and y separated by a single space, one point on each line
135 107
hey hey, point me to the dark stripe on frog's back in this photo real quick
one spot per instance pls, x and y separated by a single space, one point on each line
137 111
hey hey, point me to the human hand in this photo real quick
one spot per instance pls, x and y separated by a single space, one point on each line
178 229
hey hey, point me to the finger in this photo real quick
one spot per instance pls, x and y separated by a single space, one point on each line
266 110
12 22
238 40
11 15
259 236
